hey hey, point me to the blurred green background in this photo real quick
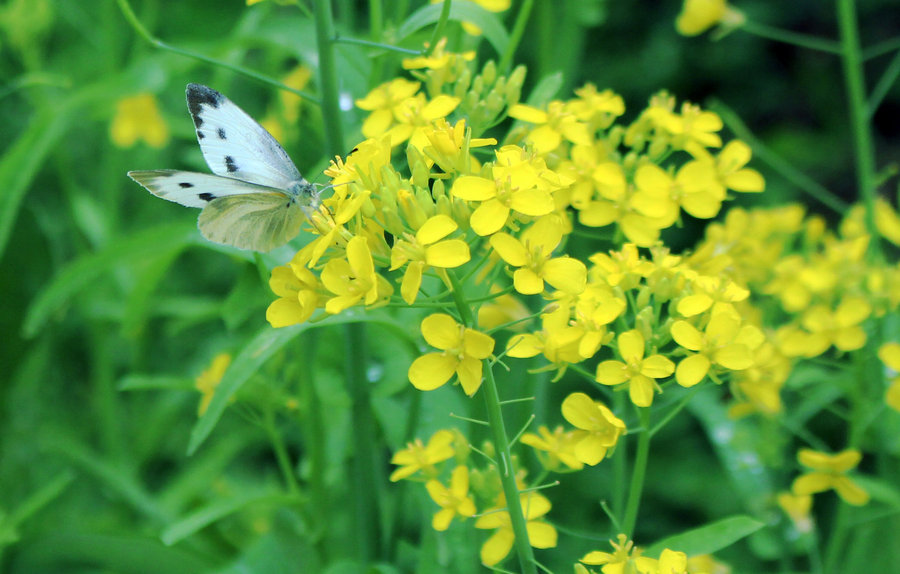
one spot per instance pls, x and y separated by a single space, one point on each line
111 303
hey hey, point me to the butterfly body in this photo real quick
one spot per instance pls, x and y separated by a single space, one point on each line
255 198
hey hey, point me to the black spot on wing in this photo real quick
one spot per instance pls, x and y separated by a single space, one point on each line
230 165
221 133
206 196
185 185
200 135
197 95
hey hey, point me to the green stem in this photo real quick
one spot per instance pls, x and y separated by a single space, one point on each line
856 95
365 480
811 187
328 83
884 85
314 440
281 454
516 36
506 472
156 42
788 37
501 441
370 44
638 473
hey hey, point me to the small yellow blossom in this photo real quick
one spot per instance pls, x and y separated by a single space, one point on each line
298 292
725 342
559 447
419 457
637 372
625 558
698 16
461 352
889 353
453 500
599 428
382 101
540 533
138 118
829 472
531 255
427 248
797 507
208 380
353 279
553 126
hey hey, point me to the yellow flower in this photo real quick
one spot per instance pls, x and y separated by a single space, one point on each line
427 248
381 101
531 255
731 171
520 182
416 456
439 59
559 446
208 380
600 428
825 327
414 115
540 533
797 507
553 125
636 372
829 472
889 353
462 351
138 118
453 500
724 342
695 188
298 291
698 16
625 558
557 340
353 279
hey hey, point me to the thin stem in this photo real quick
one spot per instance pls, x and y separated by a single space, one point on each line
501 442
811 187
331 109
314 439
516 36
856 95
638 472
887 80
387 47
156 42
788 37
281 453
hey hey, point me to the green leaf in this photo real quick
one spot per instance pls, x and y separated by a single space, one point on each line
154 382
710 538
463 11
266 343
545 90
78 274
24 158
216 511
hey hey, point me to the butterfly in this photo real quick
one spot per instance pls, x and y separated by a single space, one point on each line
255 197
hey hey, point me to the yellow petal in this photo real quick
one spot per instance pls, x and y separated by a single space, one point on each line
441 331
435 229
567 274
509 249
447 254
691 370
430 371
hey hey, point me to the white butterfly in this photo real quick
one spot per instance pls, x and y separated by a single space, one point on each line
256 199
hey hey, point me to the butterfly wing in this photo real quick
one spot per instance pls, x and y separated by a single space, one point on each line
259 221
234 145
194 189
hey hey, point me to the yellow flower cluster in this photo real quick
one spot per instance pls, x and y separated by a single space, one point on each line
455 500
